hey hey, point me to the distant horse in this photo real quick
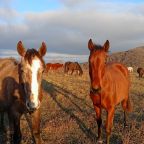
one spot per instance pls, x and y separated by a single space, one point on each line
130 69
140 71
109 86
53 66
20 89
71 67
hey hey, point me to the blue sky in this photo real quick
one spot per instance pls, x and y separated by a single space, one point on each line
67 25
35 6
44 5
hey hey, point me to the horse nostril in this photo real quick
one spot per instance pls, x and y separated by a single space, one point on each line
95 90
30 106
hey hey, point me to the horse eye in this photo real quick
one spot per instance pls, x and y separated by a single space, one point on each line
22 71
42 71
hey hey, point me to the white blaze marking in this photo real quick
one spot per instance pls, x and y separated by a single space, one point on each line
34 85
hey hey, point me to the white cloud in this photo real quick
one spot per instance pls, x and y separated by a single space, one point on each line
68 30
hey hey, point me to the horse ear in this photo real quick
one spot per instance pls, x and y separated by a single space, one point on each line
90 45
20 48
106 46
42 49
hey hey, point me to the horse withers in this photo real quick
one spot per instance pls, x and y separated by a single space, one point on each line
109 86
20 89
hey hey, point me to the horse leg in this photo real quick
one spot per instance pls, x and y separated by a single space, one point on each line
11 127
36 126
2 121
72 71
17 132
99 122
125 119
109 123
126 104
14 124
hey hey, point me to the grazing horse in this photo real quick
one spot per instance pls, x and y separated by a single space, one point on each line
20 89
53 66
140 71
109 86
130 69
72 66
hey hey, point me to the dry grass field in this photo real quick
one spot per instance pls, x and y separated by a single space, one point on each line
68 116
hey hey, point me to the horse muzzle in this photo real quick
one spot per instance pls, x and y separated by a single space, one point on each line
31 106
95 90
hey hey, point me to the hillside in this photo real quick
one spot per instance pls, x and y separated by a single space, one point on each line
133 57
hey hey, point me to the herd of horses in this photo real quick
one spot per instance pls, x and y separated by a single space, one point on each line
140 71
21 87
69 67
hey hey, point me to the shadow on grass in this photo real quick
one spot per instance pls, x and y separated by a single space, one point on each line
53 90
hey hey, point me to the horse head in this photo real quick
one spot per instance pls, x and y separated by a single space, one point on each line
30 74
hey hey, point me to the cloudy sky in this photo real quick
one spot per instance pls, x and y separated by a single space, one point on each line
67 25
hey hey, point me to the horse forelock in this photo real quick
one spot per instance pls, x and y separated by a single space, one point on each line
31 54
98 47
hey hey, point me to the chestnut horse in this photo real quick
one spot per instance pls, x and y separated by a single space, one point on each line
20 89
53 66
109 86
72 66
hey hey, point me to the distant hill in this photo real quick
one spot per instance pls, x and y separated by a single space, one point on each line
133 57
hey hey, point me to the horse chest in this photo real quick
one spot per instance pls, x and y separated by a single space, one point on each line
96 99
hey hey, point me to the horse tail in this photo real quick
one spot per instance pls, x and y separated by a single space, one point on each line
129 106
127 103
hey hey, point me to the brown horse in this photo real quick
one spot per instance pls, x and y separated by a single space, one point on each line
109 86
20 89
140 71
53 66
71 67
